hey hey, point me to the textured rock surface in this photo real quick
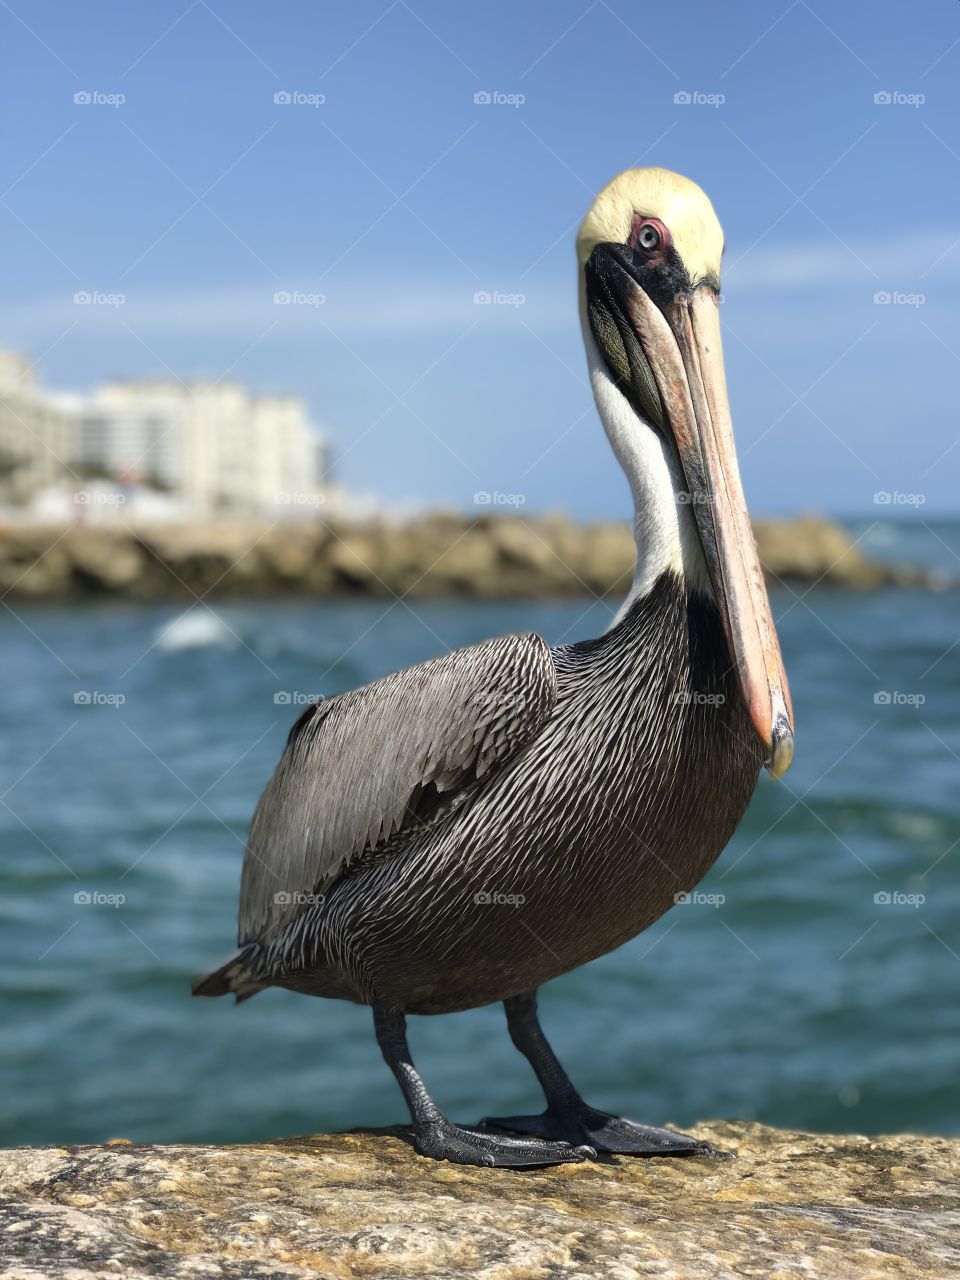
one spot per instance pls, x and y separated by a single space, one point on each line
486 557
364 1205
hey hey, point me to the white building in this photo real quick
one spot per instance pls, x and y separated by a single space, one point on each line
36 437
213 445
131 431
211 448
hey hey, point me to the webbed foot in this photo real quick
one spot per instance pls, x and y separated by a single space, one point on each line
605 1133
443 1140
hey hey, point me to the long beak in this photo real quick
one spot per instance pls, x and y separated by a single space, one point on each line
681 341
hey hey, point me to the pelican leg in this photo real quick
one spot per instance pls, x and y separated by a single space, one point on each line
567 1115
436 1136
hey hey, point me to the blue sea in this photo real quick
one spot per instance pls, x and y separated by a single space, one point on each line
813 983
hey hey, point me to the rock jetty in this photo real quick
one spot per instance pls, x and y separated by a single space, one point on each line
437 555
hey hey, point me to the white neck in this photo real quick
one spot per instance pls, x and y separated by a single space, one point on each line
664 527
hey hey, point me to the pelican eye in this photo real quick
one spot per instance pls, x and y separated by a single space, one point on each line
648 235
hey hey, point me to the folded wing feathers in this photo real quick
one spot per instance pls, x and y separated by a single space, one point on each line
346 781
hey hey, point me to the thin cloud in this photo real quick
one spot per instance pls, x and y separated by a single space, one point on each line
397 308
901 260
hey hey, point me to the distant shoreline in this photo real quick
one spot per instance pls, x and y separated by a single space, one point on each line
438 555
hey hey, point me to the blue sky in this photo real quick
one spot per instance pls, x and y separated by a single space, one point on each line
398 198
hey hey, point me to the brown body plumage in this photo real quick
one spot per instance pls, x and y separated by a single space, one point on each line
612 809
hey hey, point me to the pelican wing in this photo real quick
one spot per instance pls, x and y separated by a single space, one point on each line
366 767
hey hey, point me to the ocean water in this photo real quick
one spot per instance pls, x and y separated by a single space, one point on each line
813 984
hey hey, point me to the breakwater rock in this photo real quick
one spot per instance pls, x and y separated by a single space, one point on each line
344 1206
438 555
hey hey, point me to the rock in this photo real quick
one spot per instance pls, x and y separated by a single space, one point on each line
607 558
101 562
812 550
441 554
364 1205
291 552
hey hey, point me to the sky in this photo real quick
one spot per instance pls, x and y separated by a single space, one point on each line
187 162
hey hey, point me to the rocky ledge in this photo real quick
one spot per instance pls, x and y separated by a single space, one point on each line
364 1205
488 557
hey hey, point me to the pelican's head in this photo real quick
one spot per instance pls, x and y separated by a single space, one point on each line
649 259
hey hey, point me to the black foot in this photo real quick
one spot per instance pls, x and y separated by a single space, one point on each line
446 1141
606 1133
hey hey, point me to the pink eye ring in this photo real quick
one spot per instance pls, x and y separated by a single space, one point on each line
649 235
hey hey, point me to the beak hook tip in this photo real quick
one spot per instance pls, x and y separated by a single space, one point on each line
781 748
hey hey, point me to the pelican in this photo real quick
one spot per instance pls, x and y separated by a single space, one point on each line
464 830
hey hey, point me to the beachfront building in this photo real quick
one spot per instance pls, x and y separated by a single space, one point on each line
212 445
36 432
175 450
131 431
